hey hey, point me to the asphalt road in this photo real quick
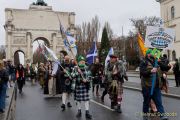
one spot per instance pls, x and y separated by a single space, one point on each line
33 105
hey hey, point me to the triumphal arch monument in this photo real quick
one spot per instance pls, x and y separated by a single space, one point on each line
24 26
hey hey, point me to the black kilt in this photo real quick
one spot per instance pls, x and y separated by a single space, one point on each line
81 93
96 80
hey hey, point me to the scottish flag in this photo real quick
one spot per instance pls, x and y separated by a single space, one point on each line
92 54
111 52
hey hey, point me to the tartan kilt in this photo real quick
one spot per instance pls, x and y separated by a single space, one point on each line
116 93
81 93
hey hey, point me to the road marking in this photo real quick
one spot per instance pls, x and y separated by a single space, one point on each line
93 101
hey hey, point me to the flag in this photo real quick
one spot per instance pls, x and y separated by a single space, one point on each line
143 49
51 54
111 52
70 44
92 54
48 53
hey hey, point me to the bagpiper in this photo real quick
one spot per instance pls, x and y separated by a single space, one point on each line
116 73
82 85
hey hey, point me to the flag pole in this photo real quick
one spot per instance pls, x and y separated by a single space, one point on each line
58 62
64 35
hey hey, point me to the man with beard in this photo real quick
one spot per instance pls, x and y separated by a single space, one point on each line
116 73
66 80
148 67
82 86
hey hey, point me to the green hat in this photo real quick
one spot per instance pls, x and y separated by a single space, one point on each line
148 51
80 58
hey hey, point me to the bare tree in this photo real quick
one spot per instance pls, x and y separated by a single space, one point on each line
109 30
141 23
87 33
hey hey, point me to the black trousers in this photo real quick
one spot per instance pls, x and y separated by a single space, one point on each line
177 79
20 84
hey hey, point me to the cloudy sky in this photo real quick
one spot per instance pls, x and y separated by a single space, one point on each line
116 12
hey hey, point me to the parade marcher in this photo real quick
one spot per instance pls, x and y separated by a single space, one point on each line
176 69
66 81
20 77
146 70
116 74
97 73
51 80
165 67
28 72
11 71
41 74
82 86
33 74
46 78
3 86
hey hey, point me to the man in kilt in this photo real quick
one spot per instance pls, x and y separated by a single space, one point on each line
116 73
66 81
82 86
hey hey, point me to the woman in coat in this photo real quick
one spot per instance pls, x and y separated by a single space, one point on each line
20 77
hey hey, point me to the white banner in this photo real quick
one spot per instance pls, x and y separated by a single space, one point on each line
159 37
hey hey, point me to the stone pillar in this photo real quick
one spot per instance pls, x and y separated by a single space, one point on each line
54 40
9 39
28 37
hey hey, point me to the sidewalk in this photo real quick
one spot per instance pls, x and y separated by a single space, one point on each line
173 91
136 74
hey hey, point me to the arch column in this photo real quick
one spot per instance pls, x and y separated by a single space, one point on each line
54 40
28 37
9 39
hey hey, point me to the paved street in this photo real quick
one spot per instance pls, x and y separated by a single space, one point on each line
32 105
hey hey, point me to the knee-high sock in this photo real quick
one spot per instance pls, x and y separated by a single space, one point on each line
79 105
87 105
64 96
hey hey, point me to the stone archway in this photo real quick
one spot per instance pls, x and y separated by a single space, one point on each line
19 57
37 52
38 22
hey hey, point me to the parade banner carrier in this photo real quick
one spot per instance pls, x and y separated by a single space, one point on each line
159 37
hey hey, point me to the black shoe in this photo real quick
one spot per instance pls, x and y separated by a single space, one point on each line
69 104
112 105
1 111
119 109
63 107
20 91
79 114
88 115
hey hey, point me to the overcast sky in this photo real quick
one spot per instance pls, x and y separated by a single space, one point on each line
116 12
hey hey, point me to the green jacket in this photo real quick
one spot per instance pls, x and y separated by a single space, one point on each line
146 76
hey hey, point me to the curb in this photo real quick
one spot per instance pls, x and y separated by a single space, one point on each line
164 94
139 77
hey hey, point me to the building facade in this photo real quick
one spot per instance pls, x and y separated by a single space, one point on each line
24 26
170 13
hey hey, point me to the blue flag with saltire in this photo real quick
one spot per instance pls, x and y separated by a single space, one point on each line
91 54
111 52
70 44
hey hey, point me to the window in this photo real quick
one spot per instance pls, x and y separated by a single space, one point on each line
173 55
172 12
